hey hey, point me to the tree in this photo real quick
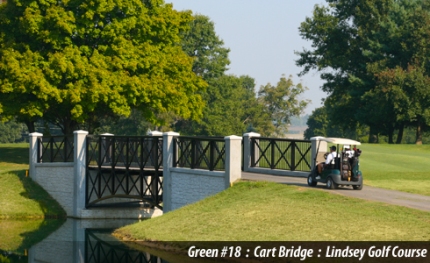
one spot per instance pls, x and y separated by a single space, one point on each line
410 92
206 48
353 43
64 61
230 109
317 124
231 105
282 102
403 75
10 131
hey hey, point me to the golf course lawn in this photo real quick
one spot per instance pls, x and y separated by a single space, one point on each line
263 211
403 167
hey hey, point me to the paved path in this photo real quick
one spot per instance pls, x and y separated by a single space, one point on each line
369 193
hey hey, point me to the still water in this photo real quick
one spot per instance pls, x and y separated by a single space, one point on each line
71 241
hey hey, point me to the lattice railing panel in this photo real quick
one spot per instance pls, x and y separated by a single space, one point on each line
199 153
283 154
55 149
129 168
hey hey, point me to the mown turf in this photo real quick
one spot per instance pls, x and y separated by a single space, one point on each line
24 206
264 211
22 198
402 167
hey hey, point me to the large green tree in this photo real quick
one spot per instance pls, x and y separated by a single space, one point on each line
231 104
232 108
206 48
353 44
66 61
317 124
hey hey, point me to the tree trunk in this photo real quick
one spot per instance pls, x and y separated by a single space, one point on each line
68 126
400 134
391 135
373 137
30 126
419 134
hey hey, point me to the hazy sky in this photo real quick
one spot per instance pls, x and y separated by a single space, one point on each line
262 37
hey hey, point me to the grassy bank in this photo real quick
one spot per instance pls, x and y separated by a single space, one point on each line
20 197
275 212
402 167
18 235
24 205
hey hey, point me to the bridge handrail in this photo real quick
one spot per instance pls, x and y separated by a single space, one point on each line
199 152
280 153
51 149
279 139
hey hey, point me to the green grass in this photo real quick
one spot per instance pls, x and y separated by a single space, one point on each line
18 235
24 205
262 211
403 167
20 197
13 156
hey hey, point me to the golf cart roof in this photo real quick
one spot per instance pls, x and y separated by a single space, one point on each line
339 140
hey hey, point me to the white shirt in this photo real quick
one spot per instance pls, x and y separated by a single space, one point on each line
330 158
349 153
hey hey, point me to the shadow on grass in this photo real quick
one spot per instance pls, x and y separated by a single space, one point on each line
17 155
50 207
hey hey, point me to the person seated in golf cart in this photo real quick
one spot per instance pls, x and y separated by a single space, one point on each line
348 152
330 159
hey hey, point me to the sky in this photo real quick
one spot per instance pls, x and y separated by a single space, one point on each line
262 37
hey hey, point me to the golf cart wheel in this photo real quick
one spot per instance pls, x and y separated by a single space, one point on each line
331 184
311 181
357 187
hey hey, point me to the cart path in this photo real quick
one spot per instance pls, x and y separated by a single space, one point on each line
420 202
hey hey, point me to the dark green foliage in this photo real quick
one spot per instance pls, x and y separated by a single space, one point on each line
11 131
70 61
373 57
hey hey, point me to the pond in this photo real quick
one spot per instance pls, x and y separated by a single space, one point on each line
68 240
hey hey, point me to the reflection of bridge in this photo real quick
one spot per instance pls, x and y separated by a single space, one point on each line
88 241
88 174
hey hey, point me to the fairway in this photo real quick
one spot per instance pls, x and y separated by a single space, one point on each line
403 167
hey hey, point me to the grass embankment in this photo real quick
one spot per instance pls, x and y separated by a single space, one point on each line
403 167
263 211
24 205
20 197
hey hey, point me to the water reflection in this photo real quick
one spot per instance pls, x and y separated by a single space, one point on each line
81 241
98 249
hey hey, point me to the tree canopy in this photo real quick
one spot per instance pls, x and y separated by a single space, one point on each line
373 58
231 104
282 102
68 60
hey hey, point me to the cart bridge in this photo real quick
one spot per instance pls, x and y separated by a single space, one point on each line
107 176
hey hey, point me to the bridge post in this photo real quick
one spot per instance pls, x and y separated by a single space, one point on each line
233 148
168 148
250 153
79 189
106 147
34 148
153 181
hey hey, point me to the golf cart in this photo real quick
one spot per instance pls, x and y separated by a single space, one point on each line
343 170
